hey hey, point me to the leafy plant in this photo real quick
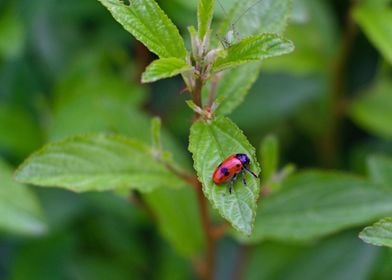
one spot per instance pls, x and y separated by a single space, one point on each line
96 162
114 162
100 140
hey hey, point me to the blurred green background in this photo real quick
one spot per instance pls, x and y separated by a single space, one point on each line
66 67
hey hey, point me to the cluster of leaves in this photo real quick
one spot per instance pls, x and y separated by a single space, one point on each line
102 162
297 208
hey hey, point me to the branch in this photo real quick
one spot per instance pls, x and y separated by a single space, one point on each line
196 94
211 233
209 262
330 143
214 85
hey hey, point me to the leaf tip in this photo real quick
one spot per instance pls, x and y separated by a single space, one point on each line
19 173
145 79
290 46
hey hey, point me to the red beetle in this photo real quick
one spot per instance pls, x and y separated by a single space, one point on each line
230 168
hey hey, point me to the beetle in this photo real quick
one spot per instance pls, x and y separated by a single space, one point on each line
229 169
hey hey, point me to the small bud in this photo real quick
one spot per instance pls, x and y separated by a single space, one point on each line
212 55
216 104
206 42
194 107
195 42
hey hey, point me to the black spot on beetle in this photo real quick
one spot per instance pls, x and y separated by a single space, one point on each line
238 165
225 171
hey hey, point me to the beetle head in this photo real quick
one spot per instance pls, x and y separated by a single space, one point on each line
243 158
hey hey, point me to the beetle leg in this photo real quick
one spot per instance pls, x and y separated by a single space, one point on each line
250 172
243 178
232 180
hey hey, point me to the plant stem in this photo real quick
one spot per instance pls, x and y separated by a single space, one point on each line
196 94
330 142
214 85
185 176
211 233
209 262
242 261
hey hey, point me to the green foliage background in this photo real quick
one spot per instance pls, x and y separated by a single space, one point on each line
68 68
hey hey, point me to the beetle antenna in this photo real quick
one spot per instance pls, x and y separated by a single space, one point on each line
244 12
226 42
223 9
250 172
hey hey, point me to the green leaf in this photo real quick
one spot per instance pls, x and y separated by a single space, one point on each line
380 170
102 93
12 34
267 16
22 140
177 214
341 257
270 104
42 257
382 269
376 3
313 204
376 22
205 11
165 68
269 157
156 124
96 72
312 53
19 207
254 48
156 145
171 265
269 260
211 142
96 163
234 86
373 110
379 234
145 20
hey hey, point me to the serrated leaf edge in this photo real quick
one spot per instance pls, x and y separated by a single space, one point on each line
42 150
380 224
139 37
244 61
208 195
183 69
